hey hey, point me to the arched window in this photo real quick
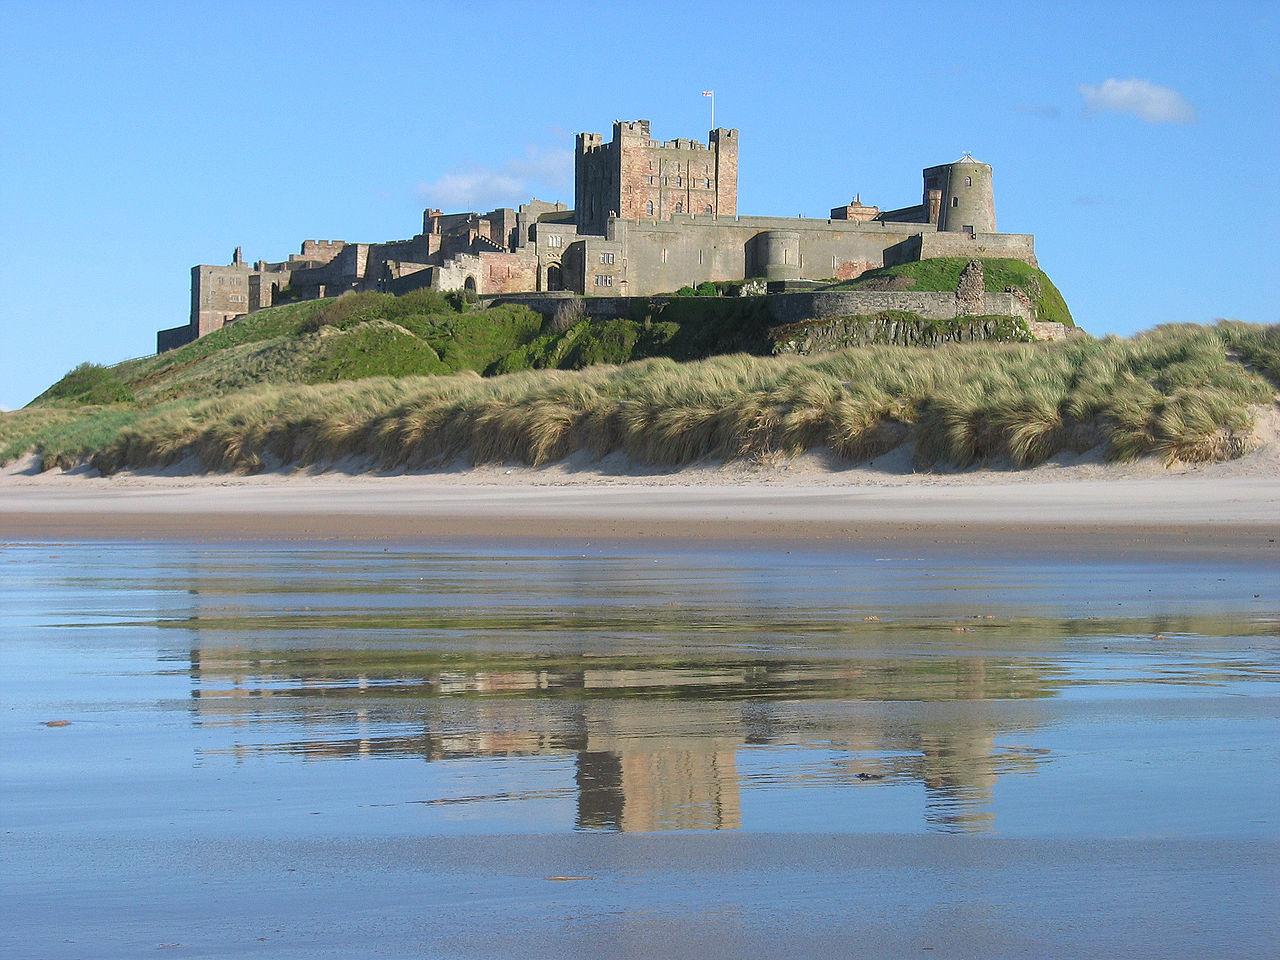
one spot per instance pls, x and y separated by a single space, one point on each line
955 201
707 209
648 209
679 207
968 181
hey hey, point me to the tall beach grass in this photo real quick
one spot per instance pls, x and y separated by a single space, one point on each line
1175 392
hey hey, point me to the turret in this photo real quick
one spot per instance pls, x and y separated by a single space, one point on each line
962 194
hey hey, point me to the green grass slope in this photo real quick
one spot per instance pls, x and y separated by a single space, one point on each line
498 376
943 273
1181 392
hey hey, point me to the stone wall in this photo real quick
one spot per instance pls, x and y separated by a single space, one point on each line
597 308
636 177
797 307
218 294
787 308
174 337
839 333
931 244
687 250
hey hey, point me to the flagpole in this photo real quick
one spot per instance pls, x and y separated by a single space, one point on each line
713 109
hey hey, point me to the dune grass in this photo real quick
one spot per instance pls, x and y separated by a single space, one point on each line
1173 392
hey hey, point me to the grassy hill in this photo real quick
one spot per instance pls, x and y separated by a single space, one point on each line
507 382
1179 392
943 273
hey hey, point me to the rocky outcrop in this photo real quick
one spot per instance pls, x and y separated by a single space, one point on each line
895 328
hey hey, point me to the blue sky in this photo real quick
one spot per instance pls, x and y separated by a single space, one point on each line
1137 141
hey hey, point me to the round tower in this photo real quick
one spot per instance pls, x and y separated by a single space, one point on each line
968 201
778 254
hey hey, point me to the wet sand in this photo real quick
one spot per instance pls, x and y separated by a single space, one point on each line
1183 516
370 750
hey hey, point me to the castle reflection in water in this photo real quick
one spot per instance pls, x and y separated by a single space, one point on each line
655 748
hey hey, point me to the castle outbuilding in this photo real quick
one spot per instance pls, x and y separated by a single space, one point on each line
649 217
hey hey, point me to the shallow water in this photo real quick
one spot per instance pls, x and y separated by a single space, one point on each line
356 751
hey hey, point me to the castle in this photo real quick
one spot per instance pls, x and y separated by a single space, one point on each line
649 217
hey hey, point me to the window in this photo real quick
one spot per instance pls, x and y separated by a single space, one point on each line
679 207
968 181
664 181
606 258
955 201
554 240
604 280
652 181
648 209
707 184
707 209
679 181
664 254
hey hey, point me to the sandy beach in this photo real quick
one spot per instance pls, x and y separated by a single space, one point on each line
1088 507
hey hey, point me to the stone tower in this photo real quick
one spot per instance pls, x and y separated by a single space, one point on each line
639 178
958 197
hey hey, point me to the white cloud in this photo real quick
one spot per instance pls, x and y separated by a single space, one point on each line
482 188
1142 98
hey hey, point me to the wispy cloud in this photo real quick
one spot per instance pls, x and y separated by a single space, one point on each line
1143 99
481 187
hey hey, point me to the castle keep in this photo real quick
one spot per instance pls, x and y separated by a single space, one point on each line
649 217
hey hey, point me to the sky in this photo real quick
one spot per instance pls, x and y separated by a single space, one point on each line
1135 140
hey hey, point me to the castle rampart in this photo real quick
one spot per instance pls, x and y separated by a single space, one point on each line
650 216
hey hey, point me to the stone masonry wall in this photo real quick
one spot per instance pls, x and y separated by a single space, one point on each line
787 308
797 307
687 250
1012 246
840 333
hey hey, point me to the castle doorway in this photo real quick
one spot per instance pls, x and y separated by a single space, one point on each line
555 279
470 285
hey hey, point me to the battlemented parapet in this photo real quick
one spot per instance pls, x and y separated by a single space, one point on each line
634 176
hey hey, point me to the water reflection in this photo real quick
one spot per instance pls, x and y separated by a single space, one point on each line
667 692
654 748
